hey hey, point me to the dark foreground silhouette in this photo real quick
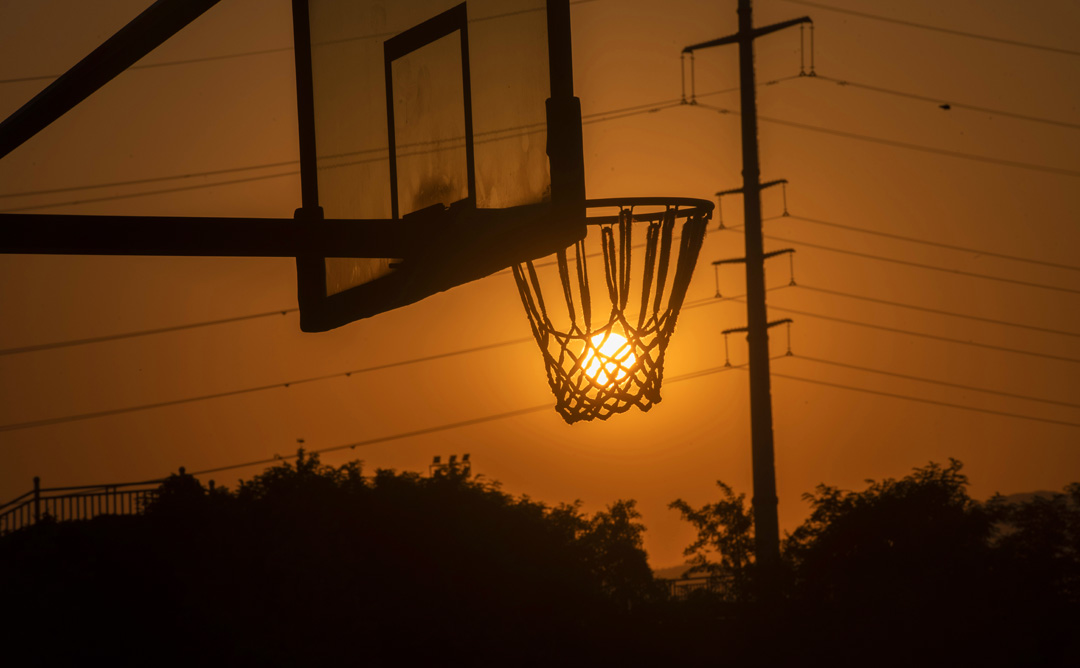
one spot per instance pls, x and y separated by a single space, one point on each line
309 565
312 565
908 572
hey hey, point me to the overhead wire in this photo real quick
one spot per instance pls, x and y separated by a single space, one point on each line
147 193
922 379
220 321
939 101
164 63
247 390
934 337
484 137
596 117
587 119
923 400
543 407
951 314
905 145
153 179
688 306
935 244
538 408
675 379
919 265
280 49
311 379
284 311
443 427
948 31
144 332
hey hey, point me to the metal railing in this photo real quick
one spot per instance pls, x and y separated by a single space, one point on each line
75 503
679 589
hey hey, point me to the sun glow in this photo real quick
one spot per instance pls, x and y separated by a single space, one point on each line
609 358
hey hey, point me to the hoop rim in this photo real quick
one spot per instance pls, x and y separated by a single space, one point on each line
685 207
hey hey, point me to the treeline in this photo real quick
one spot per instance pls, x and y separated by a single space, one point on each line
311 565
908 572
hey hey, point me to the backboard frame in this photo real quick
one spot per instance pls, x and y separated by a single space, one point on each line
451 245
437 27
526 232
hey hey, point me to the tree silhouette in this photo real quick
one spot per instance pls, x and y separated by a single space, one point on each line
908 571
725 532
307 564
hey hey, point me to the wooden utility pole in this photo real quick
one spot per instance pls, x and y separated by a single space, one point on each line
766 522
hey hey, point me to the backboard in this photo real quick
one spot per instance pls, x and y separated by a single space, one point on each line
455 117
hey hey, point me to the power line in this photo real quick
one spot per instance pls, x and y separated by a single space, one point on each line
939 101
935 337
384 439
927 401
599 117
231 393
445 427
147 193
942 383
948 31
207 323
924 309
906 145
222 321
145 332
246 168
342 374
491 135
281 49
164 63
538 408
285 311
152 179
919 265
940 311
936 244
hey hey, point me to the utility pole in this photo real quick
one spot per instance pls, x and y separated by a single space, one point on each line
766 522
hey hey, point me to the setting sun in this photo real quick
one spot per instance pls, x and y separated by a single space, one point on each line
609 358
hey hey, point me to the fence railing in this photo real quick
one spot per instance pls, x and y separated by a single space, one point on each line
75 503
681 588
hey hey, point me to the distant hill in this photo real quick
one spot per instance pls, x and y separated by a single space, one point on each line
1024 497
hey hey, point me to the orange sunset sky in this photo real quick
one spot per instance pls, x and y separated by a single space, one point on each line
994 175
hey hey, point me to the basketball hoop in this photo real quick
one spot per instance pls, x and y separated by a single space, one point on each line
605 352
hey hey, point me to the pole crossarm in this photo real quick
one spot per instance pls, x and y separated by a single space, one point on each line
766 256
762 186
770 325
782 251
730 260
752 34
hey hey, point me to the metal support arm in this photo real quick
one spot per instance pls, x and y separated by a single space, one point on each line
770 325
143 34
187 236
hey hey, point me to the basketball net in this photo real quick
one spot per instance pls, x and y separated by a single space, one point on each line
600 366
